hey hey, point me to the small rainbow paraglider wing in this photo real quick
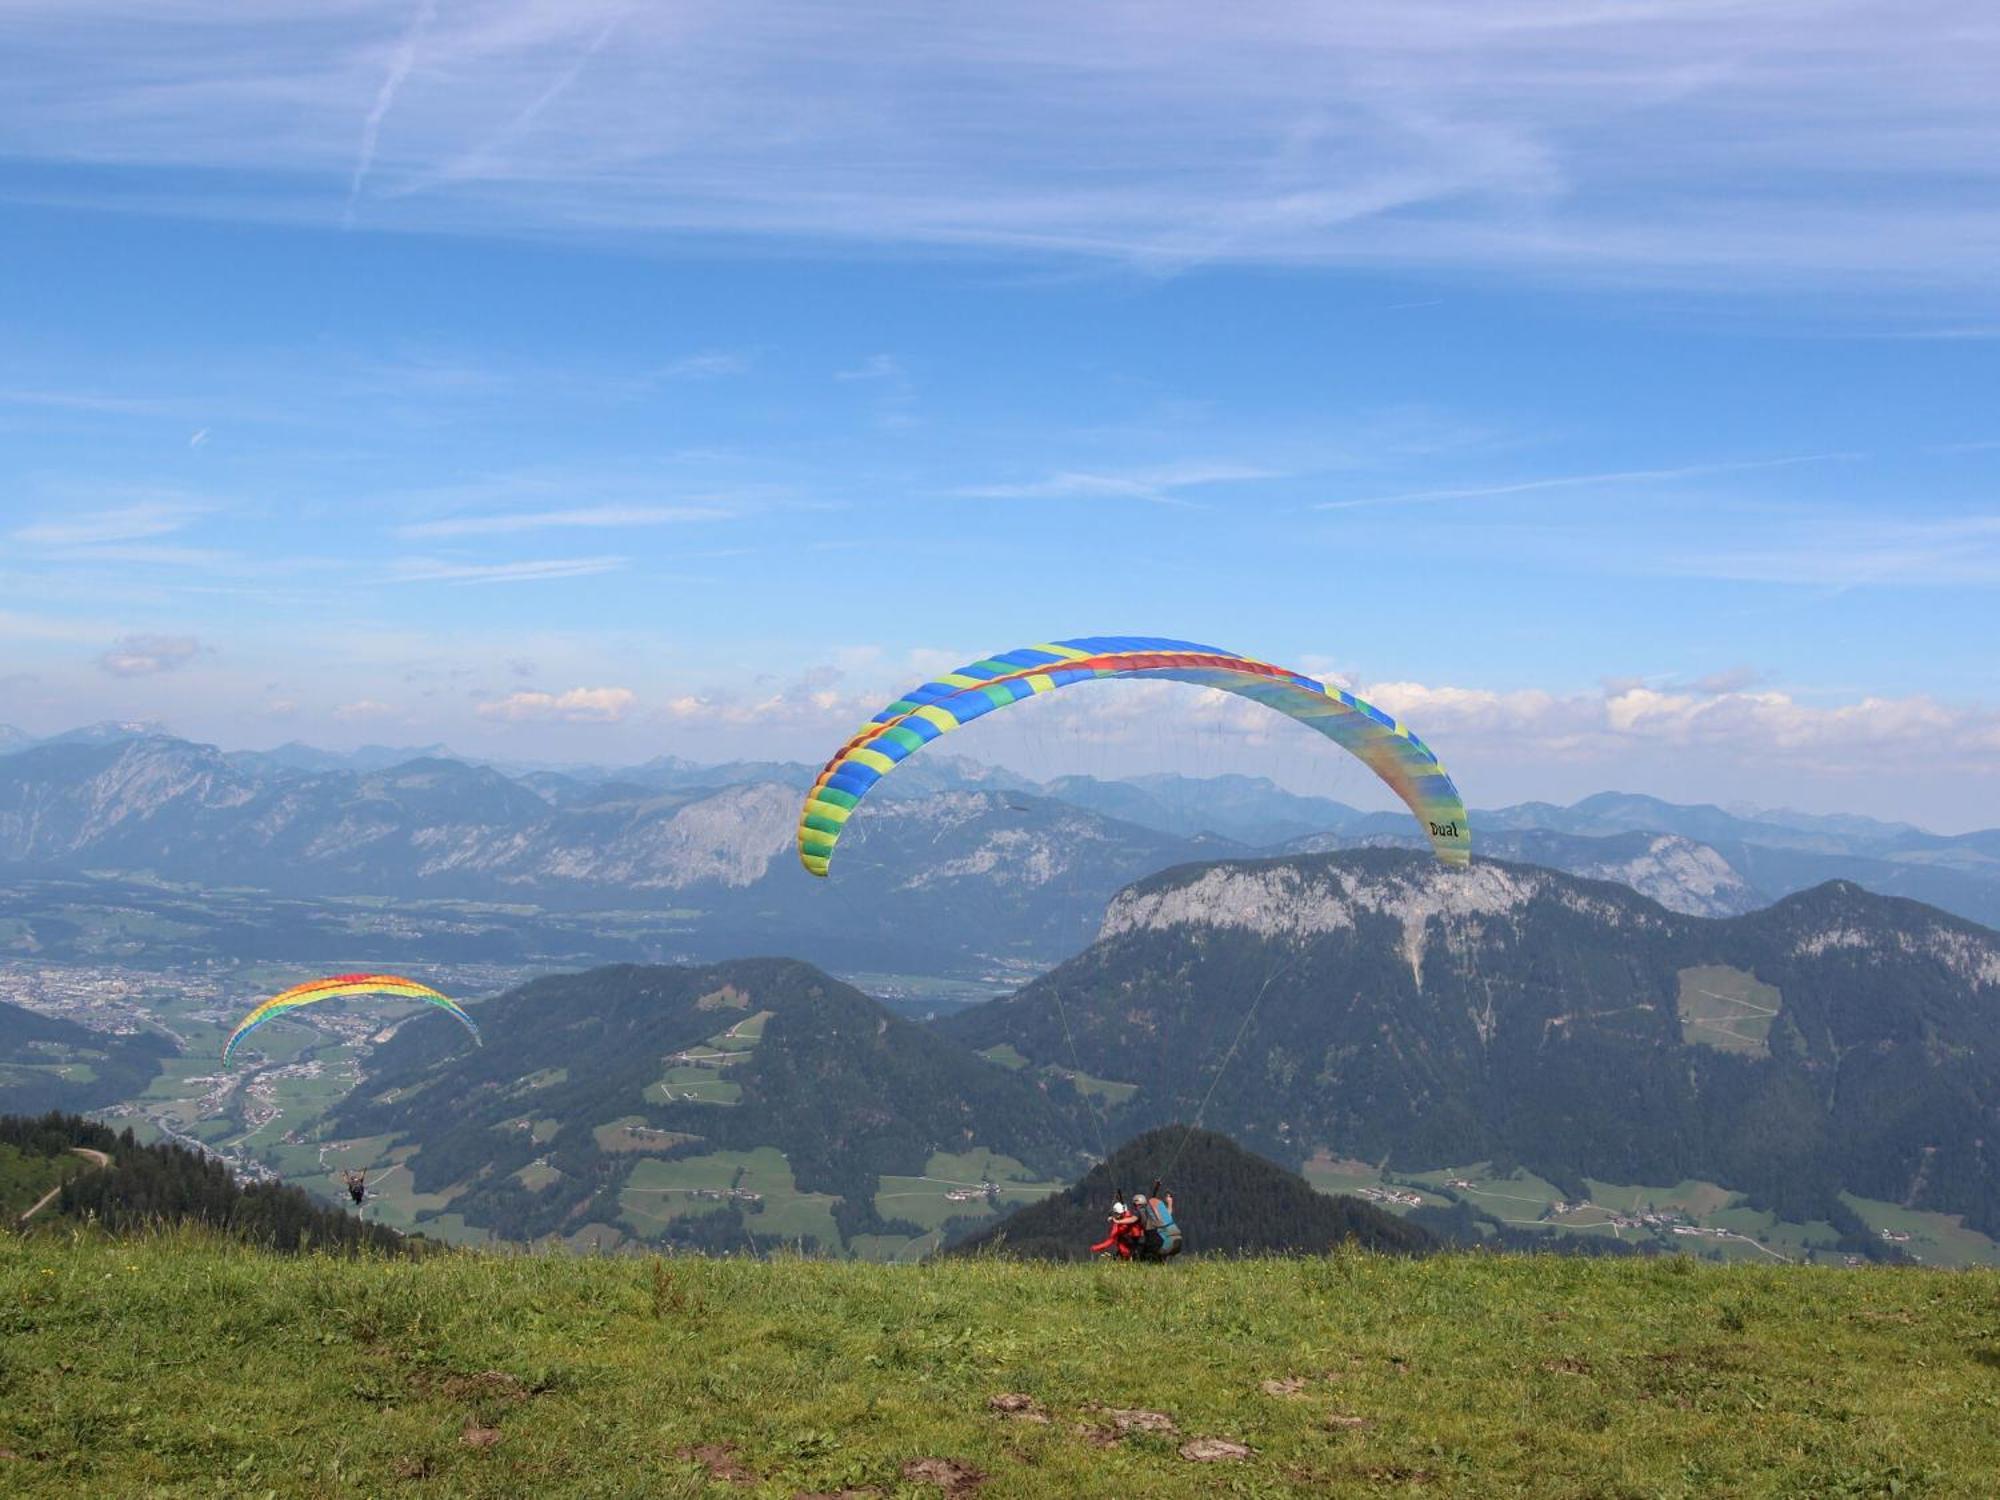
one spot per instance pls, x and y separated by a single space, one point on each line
314 991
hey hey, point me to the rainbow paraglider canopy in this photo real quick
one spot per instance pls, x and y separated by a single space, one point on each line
391 986
1386 747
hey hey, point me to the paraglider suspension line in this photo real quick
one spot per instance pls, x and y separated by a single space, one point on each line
1076 1072
1222 1068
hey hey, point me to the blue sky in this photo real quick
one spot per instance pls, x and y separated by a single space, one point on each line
1610 391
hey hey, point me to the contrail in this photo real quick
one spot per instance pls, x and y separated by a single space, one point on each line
371 128
1571 481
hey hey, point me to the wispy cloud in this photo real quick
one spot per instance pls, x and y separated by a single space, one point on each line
1711 140
1829 551
583 517
124 523
1581 481
401 61
1159 486
709 366
86 401
874 367
433 570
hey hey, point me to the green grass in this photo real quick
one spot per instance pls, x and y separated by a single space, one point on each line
1007 1055
659 1191
24 1178
177 1366
692 1085
1107 1091
632 1133
1727 1009
1698 1200
1518 1198
1934 1239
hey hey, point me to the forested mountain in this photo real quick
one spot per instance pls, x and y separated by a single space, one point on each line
1376 1006
48 1063
1228 1201
634 1098
146 1187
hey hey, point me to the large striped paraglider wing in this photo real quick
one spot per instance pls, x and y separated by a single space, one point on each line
314 991
1386 747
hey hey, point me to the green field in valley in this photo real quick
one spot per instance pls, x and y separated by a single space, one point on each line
1727 1009
1700 1218
175 1365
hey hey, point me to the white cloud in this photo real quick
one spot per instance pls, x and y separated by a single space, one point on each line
125 523
149 655
1709 139
874 367
1580 481
1160 486
706 366
1733 728
1853 551
401 61
433 570
364 709
576 706
84 401
594 516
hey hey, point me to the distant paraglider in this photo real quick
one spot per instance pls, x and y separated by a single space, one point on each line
339 985
1386 747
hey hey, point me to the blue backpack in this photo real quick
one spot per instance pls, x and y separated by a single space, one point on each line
1163 1235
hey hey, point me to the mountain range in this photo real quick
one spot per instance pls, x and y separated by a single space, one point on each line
1376 1007
954 868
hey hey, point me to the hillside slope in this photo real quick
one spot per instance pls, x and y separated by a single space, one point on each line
48 1063
1377 1007
708 1106
154 1366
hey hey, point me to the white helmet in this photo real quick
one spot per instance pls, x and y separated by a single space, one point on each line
1118 1208
1138 1197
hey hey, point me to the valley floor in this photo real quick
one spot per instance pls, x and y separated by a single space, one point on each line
175 1365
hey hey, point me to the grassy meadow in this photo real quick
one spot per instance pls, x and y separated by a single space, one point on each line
179 1366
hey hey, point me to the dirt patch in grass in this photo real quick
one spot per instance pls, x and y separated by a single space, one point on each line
1125 1422
1214 1451
720 1460
1394 1474
476 1436
486 1385
1291 1385
1018 1405
948 1474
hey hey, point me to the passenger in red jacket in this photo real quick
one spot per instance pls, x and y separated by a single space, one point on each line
1126 1232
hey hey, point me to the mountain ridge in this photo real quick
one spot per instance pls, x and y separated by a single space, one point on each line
1378 1007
